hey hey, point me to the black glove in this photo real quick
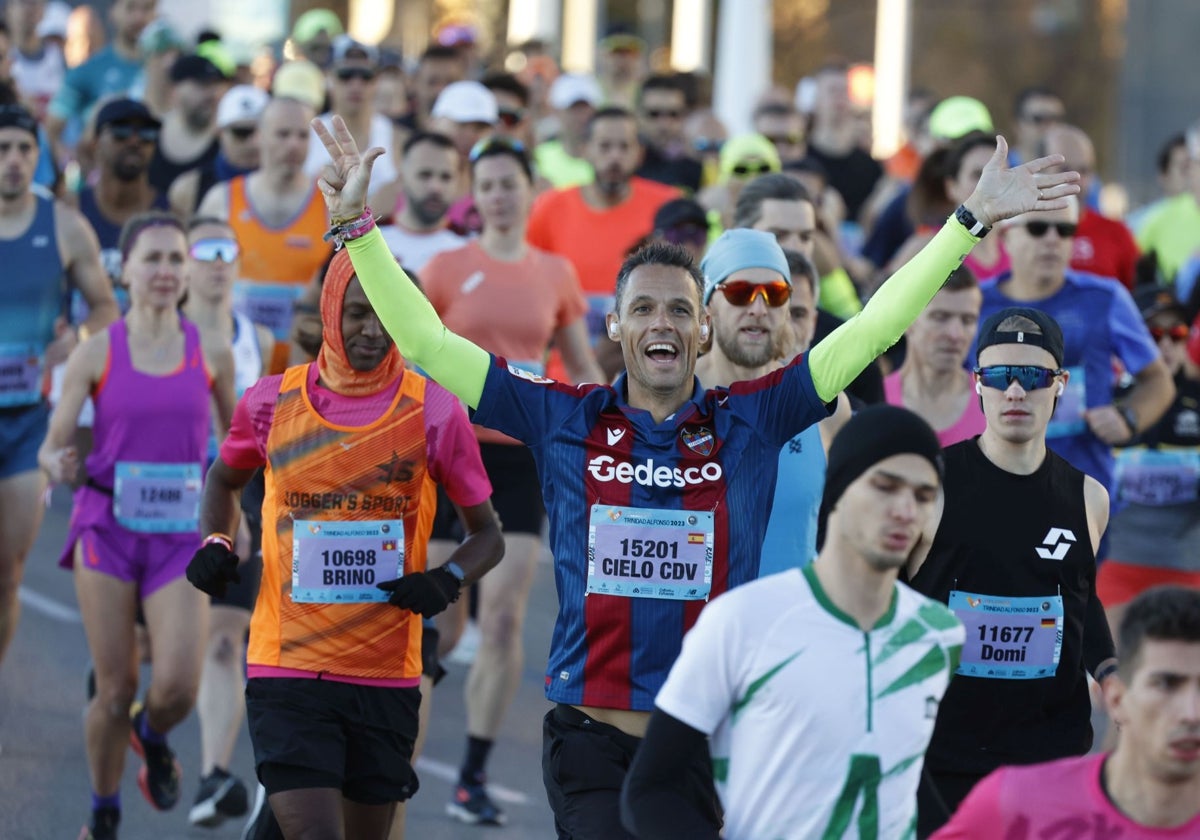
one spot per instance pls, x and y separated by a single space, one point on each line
212 567
425 593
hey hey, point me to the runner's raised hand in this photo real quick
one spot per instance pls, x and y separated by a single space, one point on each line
1004 192
345 179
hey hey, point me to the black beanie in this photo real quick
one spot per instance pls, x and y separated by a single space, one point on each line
873 434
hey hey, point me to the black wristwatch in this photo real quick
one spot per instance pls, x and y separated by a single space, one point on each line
967 219
1130 417
456 570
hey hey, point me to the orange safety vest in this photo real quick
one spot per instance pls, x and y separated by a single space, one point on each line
320 471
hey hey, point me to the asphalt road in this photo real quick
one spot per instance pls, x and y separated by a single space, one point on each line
44 790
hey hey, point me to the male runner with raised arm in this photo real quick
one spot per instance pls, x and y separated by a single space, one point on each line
653 486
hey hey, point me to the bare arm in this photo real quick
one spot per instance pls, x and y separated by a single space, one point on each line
57 455
221 365
572 341
82 261
215 203
1152 394
483 546
220 506
831 425
266 346
181 195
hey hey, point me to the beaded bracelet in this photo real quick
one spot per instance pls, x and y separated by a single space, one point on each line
348 229
223 539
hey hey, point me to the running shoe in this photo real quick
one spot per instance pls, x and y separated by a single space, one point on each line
160 773
103 825
220 797
472 805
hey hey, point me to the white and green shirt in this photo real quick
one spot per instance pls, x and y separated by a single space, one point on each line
817 729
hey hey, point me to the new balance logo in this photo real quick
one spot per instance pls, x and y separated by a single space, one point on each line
1056 545
614 436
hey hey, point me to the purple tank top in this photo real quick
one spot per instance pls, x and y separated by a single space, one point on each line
144 418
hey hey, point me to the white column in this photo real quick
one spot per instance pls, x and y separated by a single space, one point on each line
893 29
370 20
743 61
579 36
529 19
691 33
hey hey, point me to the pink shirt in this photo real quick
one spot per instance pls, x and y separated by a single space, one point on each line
971 423
1059 800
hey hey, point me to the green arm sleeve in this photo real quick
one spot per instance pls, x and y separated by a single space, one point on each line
846 352
838 295
410 319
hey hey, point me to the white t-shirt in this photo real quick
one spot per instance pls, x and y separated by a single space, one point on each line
816 728
382 134
39 77
412 250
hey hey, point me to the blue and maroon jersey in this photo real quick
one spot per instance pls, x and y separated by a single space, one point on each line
718 453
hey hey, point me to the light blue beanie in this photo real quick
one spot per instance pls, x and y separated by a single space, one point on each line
739 249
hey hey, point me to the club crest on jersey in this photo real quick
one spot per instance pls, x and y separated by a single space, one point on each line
532 377
700 441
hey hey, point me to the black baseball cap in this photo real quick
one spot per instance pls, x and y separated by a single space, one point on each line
680 211
195 68
125 111
1156 300
1050 339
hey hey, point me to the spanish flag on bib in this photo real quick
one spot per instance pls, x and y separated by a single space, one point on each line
316 472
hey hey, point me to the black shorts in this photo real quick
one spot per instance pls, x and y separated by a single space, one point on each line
938 797
322 734
584 763
516 494
22 430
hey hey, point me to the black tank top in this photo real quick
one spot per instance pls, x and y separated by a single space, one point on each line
988 543
163 172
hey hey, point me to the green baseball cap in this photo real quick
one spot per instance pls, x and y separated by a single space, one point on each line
957 116
314 21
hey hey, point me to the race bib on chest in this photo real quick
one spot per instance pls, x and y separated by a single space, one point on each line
598 308
20 375
157 498
1068 417
1009 638
650 553
340 562
1158 477
269 304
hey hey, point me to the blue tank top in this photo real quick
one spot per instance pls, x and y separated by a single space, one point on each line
791 540
109 234
35 289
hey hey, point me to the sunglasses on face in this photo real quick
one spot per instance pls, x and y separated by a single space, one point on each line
1043 119
1038 229
364 74
122 132
662 113
685 235
743 292
242 132
744 169
705 145
1177 333
1030 377
215 250
511 116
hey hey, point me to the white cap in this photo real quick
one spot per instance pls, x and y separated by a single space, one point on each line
575 87
242 103
466 102
54 20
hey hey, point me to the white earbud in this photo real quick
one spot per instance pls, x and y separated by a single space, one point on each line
613 331
704 332
979 388
1061 388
